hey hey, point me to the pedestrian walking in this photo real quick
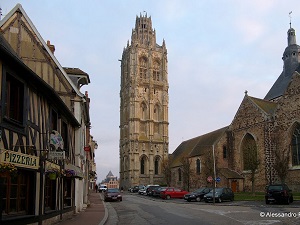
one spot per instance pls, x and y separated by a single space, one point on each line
96 187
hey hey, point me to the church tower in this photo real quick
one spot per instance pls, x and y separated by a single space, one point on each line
291 62
144 102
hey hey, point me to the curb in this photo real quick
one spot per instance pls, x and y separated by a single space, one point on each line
103 221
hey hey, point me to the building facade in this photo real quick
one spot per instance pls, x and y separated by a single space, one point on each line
144 101
260 146
44 128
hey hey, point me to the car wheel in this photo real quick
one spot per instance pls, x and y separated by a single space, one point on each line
267 202
231 199
288 201
168 197
189 200
198 199
206 201
292 199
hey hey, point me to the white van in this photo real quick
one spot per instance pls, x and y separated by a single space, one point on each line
102 188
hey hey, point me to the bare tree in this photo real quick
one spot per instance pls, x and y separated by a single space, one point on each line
187 172
166 170
251 161
281 164
208 163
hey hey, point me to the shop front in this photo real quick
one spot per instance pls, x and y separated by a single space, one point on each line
17 184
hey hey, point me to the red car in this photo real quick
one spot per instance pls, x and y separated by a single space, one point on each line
171 192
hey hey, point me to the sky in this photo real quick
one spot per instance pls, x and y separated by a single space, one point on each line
217 49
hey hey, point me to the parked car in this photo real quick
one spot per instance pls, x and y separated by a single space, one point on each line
155 192
171 192
149 189
197 195
112 194
279 193
102 188
142 191
221 194
136 188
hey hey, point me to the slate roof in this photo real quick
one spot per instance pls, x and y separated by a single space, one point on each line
196 146
280 85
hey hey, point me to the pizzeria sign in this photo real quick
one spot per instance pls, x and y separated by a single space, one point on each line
19 159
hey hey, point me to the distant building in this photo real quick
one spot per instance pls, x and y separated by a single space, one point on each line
111 181
144 138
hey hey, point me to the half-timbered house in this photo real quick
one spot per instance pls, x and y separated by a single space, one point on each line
44 126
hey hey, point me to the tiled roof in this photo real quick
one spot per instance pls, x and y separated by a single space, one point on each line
267 106
196 146
230 174
75 71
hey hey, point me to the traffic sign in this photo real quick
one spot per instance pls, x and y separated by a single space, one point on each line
209 179
218 179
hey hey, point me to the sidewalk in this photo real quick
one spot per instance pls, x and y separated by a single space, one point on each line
95 214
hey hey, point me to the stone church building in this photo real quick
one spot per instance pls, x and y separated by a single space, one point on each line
262 143
144 138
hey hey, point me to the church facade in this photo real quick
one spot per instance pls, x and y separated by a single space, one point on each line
144 99
260 146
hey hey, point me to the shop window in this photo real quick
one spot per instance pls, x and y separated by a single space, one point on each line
17 195
50 194
68 192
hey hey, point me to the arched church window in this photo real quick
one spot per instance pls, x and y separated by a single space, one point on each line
224 152
296 146
143 165
179 174
249 150
156 166
143 67
198 166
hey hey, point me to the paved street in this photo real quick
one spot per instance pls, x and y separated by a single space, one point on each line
137 209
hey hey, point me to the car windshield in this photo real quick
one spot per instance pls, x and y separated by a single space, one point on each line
275 187
112 190
162 189
217 190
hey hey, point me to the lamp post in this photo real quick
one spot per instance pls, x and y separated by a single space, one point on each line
214 187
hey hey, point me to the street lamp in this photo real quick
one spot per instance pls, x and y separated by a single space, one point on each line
214 187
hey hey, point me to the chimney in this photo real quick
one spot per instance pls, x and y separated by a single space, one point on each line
52 47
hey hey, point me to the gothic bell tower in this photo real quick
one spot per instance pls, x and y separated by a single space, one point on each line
144 103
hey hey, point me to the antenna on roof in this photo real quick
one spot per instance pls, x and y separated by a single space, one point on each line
290 18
